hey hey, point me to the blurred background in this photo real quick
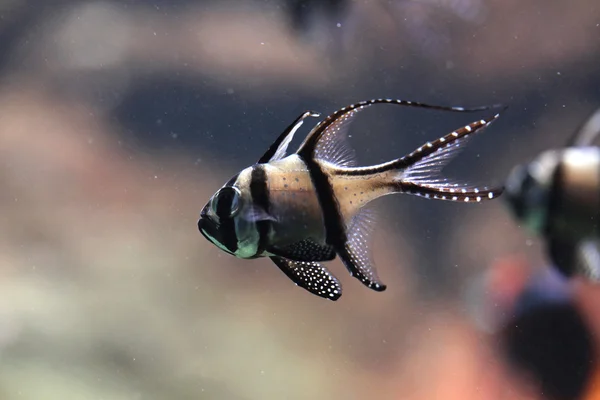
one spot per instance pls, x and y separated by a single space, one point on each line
119 119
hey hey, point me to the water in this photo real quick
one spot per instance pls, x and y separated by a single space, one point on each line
119 119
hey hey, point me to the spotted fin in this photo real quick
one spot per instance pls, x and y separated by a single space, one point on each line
350 248
305 250
278 149
421 170
357 255
311 276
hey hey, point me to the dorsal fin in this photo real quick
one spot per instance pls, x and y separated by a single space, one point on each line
333 146
346 242
278 149
332 130
588 132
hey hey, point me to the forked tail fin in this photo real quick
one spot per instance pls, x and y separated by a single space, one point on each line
420 172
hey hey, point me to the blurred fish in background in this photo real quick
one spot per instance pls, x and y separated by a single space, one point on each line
544 331
557 196
119 118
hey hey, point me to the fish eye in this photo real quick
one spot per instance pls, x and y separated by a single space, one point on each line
226 202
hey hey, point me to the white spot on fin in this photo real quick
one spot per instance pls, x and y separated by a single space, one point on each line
359 260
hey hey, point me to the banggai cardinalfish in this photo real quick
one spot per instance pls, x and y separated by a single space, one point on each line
309 207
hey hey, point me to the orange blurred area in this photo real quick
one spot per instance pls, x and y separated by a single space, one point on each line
119 120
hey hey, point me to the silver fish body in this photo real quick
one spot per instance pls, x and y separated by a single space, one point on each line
309 207
557 196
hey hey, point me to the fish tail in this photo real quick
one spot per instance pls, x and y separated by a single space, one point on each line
451 191
419 173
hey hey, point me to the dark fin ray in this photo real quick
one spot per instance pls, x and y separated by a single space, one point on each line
279 147
305 250
587 133
451 191
431 157
311 276
308 147
357 255
423 176
333 146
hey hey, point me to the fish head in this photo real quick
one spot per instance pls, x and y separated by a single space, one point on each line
528 190
229 220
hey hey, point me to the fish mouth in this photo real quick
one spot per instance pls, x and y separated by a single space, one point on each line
202 227
210 231
206 227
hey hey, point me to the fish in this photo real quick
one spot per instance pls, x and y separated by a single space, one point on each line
311 206
556 196
547 311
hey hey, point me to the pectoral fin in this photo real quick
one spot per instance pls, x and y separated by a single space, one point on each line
311 276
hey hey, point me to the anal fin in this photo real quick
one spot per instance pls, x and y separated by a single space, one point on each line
311 276
356 254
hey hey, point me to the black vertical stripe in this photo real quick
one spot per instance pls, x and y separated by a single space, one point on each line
228 235
334 225
224 202
259 191
226 232
561 251
597 216
555 199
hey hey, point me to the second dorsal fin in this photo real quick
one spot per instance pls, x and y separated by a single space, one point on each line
327 139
